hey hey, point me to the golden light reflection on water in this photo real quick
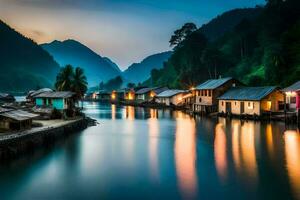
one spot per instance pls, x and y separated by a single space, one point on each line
185 155
220 151
269 140
113 111
153 144
243 148
130 112
292 153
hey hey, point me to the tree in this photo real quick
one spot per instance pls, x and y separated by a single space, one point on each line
79 85
64 79
181 34
70 80
130 85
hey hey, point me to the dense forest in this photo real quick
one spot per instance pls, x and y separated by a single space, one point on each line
24 64
259 50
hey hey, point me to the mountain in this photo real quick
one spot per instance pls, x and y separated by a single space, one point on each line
225 22
139 72
96 68
24 65
113 64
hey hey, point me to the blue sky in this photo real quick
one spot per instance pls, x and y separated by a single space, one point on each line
125 31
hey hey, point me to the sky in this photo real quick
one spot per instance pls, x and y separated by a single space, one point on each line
126 31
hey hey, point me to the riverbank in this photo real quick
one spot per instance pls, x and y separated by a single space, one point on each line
14 144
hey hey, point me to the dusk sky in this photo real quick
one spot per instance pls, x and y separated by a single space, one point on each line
125 31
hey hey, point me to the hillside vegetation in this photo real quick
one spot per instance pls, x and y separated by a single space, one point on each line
24 65
263 50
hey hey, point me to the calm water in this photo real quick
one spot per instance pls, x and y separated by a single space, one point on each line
137 153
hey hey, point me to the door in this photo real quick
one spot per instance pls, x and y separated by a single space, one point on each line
228 107
242 107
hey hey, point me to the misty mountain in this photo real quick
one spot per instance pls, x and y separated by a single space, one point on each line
139 72
24 65
96 68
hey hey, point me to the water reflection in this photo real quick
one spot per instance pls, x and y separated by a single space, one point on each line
243 148
153 144
292 151
130 112
113 111
220 151
185 155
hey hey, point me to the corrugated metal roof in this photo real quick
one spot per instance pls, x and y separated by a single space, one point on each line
157 90
212 84
6 96
18 115
170 93
40 91
143 90
293 88
247 93
2 110
65 94
160 90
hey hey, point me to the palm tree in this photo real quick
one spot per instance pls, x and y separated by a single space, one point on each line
64 79
70 80
79 85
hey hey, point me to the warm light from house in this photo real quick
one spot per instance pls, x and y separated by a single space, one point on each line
113 96
179 98
290 94
269 105
94 95
152 94
130 96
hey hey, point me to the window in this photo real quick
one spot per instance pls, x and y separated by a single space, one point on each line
200 99
233 84
293 100
209 93
250 105
205 92
222 103
235 103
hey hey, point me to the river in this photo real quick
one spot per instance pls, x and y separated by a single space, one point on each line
137 153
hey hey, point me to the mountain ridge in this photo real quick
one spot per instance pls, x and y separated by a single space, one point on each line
96 67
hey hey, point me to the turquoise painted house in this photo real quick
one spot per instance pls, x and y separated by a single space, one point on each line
57 100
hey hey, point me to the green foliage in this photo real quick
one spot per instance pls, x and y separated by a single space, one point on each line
69 79
181 34
263 50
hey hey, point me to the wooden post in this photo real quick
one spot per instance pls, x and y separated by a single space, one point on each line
298 117
284 96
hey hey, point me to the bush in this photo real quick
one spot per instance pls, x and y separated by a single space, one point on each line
55 114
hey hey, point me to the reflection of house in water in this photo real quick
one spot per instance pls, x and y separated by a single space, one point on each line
185 156
153 127
130 112
220 151
292 153
243 148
